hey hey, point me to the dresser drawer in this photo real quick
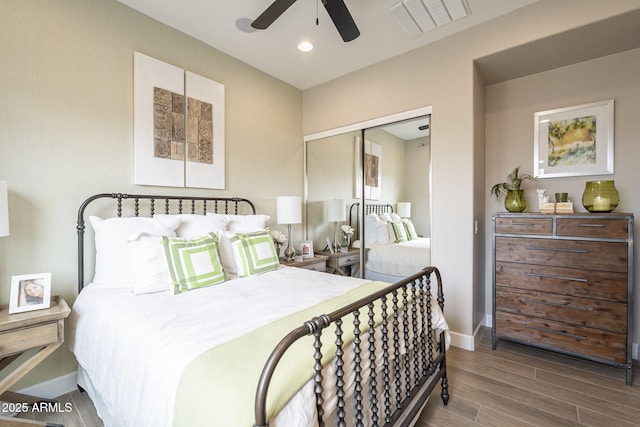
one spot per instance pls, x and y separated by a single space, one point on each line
606 256
605 285
597 314
18 340
534 226
589 342
597 227
321 265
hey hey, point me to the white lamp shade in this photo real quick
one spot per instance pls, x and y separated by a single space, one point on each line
4 209
289 210
403 209
334 210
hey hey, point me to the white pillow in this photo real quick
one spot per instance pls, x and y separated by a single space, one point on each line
371 228
148 264
113 268
243 223
385 217
194 225
382 231
395 217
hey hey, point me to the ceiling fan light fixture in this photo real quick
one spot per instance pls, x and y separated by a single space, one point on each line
305 46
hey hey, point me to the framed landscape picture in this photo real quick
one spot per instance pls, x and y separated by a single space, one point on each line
574 141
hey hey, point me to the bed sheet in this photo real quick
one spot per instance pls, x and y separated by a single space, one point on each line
399 259
128 345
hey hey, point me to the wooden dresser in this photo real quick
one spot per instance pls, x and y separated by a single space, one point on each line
565 283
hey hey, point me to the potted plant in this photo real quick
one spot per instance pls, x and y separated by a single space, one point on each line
297 255
514 200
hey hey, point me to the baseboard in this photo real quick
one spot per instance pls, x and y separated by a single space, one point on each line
462 341
53 388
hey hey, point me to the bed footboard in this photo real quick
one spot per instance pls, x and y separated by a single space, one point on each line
386 356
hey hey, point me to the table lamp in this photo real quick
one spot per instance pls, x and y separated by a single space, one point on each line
334 210
289 212
403 209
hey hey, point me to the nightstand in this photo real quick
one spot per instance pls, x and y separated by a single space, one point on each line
344 263
40 330
317 263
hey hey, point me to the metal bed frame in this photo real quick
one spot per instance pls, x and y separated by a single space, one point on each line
414 358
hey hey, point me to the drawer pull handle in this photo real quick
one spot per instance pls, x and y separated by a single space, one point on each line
555 304
542 248
551 276
566 334
525 224
592 225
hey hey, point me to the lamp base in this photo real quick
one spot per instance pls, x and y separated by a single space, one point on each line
288 253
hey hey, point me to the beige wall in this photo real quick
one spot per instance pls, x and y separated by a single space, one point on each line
66 129
509 134
442 75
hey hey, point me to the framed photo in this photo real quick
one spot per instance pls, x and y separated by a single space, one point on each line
30 292
574 141
306 246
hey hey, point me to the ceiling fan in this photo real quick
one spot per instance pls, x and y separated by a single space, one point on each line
336 9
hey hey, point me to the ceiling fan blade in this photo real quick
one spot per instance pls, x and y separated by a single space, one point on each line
271 13
342 19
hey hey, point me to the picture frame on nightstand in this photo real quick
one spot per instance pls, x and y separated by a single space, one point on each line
30 292
306 246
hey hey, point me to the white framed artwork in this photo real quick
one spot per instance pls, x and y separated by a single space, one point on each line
179 134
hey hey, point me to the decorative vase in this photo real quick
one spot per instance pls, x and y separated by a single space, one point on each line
600 196
515 201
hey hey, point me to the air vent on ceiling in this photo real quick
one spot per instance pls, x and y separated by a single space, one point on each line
419 16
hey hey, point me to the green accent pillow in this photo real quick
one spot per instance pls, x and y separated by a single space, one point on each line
193 263
254 252
399 232
411 229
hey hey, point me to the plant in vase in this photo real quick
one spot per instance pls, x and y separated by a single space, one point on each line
279 238
347 233
514 195
297 255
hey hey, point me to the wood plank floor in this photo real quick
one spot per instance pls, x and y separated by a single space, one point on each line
515 385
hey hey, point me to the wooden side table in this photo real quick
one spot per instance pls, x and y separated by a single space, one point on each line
317 263
39 329
344 263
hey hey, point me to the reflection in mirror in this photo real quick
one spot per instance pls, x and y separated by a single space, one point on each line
368 167
330 177
397 215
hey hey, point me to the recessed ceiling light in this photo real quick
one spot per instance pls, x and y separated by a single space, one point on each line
305 46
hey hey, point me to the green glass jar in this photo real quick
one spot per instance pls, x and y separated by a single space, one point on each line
600 196
515 201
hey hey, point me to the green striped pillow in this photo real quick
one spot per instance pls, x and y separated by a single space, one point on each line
411 229
193 263
254 253
399 232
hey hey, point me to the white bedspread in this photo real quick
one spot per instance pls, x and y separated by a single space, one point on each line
134 348
399 259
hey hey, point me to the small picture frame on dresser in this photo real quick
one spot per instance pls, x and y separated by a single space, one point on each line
30 292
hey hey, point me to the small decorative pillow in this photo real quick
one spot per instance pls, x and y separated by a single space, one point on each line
254 253
397 232
193 263
148 265
243 223
194 225
411 229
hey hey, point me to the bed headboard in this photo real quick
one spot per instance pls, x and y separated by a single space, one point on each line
376 208
132 205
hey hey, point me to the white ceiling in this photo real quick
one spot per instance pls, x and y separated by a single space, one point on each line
274 50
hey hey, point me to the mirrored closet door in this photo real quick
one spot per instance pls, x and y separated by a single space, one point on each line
371 179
